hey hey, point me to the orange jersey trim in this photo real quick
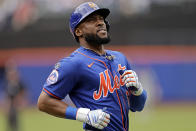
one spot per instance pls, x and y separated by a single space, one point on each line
51 94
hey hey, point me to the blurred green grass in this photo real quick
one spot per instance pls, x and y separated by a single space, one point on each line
162 118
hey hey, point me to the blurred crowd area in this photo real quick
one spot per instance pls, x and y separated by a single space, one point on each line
16 14
47 22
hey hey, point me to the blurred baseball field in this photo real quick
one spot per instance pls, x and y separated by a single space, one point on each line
178 117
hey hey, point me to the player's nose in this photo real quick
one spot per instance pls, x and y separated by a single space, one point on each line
100 23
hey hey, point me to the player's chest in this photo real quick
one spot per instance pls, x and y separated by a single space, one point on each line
101 78
94 70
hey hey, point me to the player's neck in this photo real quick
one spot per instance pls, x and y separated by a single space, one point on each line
99 49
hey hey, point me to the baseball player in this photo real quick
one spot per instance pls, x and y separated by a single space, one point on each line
100 82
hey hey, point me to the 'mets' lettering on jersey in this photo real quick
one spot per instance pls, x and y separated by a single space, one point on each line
105 85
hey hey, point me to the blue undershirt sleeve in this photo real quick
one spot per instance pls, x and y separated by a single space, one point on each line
137 102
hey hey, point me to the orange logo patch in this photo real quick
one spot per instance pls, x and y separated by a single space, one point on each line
90 65
53 77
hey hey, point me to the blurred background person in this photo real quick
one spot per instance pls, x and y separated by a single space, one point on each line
15 95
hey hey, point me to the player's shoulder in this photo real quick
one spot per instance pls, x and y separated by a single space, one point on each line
74 60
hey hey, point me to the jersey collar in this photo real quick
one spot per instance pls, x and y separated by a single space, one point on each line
91 52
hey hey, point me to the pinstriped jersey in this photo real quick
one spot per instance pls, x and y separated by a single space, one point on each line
93 81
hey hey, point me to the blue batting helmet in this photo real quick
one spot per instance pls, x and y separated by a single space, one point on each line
84 10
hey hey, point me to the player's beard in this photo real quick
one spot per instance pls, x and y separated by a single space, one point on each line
96 40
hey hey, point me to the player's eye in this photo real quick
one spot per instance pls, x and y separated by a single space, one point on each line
91 19
100 18
94 18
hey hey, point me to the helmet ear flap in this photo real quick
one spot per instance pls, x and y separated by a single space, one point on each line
107 24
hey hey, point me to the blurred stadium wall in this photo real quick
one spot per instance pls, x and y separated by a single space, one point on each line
157 36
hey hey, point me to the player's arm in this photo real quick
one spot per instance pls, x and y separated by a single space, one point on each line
96 118
51 105
137 94
60 83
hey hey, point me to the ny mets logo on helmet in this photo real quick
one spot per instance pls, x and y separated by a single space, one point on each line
92 5
105 85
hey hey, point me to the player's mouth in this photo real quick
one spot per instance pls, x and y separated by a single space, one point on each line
102 30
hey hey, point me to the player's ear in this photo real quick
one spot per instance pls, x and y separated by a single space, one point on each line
78 32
